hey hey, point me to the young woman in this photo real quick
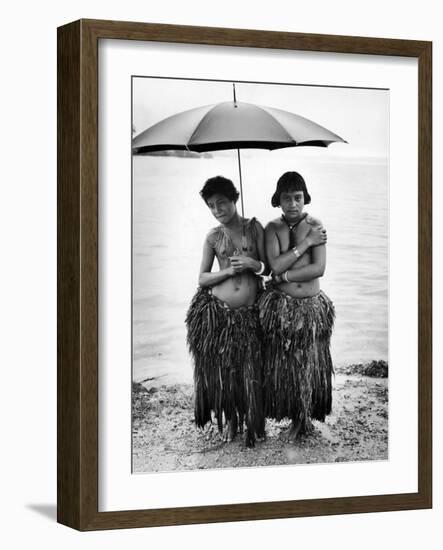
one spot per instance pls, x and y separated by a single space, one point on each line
296 316
222 321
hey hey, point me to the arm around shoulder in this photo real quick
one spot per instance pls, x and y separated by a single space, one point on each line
272 248
315 222
314 270
260 234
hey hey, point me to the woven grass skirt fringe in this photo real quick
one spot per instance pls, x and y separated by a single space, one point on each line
226 348
297 361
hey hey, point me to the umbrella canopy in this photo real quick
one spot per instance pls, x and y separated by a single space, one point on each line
232 125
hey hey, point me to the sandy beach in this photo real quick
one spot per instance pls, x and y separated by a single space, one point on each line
165 437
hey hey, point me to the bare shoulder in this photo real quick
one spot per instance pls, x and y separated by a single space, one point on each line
258 227
313 221
212 236
273 225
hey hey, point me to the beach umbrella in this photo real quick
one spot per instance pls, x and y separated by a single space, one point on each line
232 125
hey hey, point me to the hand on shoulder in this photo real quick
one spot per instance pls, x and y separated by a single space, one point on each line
317 234
258 227
313 221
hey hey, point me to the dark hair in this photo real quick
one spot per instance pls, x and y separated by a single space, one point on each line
290 181
219 184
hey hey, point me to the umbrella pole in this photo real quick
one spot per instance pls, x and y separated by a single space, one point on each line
243 238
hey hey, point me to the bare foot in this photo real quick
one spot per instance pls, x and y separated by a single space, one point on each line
297 429
250 439
261 436
294 431
230 432
307 428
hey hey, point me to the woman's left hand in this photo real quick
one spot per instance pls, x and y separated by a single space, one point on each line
242 263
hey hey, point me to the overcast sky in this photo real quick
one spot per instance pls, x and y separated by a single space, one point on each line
359 116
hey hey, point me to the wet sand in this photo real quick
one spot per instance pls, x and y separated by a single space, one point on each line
165 437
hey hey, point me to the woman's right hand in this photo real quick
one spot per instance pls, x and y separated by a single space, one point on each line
317 236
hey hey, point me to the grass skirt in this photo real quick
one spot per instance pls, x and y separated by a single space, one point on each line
297 360
226 349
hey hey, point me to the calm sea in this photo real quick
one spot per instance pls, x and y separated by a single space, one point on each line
170 222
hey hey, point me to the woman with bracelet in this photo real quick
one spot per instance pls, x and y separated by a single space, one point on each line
296 316
222 321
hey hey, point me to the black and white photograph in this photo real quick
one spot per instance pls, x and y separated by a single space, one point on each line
222 274
260 274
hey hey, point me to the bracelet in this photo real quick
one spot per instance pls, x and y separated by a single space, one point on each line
296 252
262 268
285 277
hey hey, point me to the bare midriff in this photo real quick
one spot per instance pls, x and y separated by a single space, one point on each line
240 289
237 291
301 290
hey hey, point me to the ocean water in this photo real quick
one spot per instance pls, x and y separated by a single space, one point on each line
170 222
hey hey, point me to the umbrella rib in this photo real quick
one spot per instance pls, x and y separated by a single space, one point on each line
169 145
199 124
263 109
326 142
290 138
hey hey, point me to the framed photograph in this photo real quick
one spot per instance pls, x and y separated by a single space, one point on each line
244 275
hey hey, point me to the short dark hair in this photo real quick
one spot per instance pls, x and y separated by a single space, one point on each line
290 181
219 184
